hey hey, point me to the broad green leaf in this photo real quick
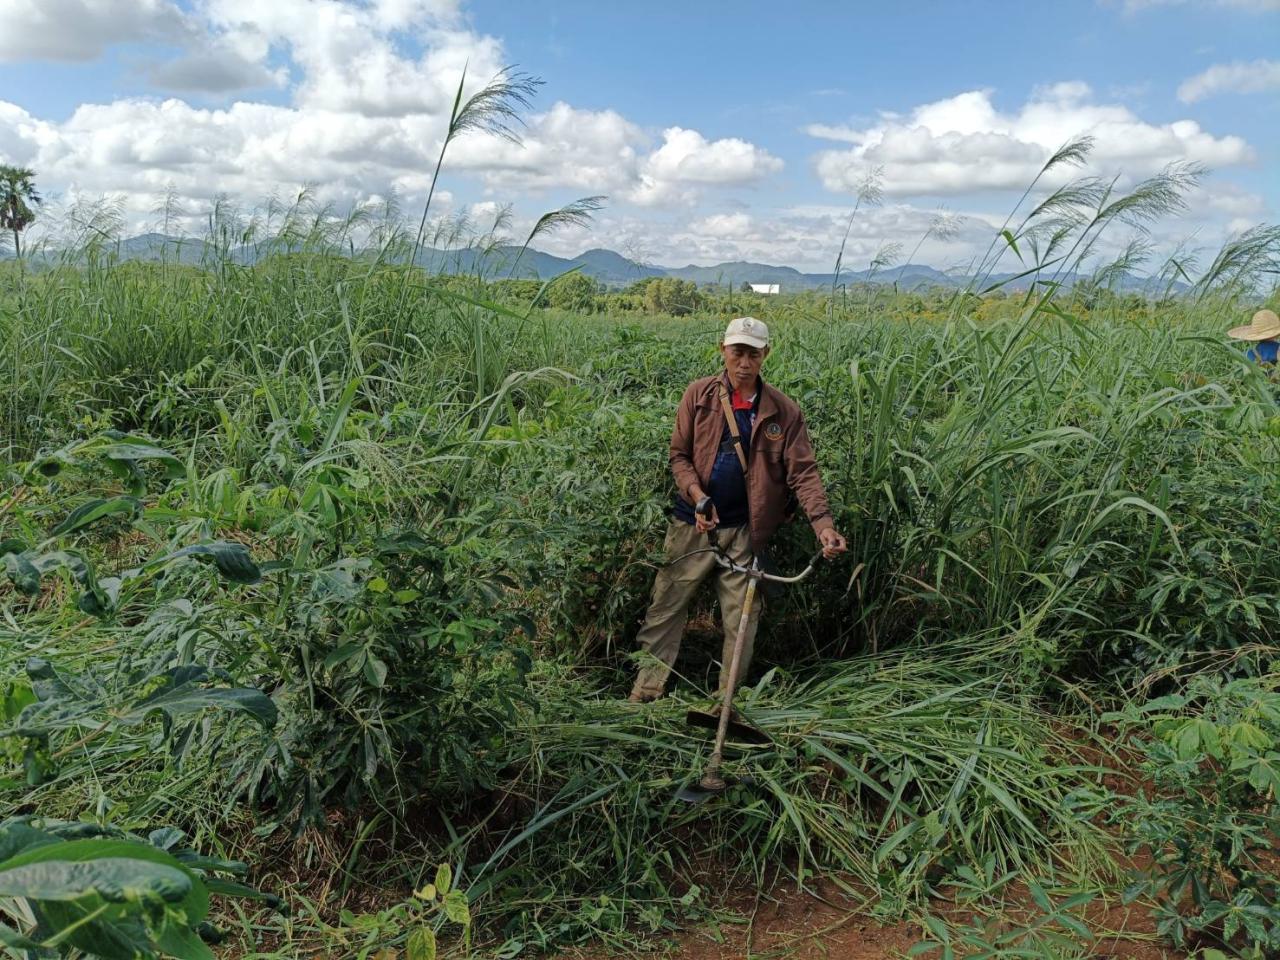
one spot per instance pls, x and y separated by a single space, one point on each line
1210 738
444 878
375 671
231 559
128 473
101 597
421 944
15 837
12 938
342 654
117 935
93 511
13 545
114 879
456 907
186 697
17 697
127 861
129 448
337 580
1187 741
1264 774
22 573
1249 736
1171 701
178 939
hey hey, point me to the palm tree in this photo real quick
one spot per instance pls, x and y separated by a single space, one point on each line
17 195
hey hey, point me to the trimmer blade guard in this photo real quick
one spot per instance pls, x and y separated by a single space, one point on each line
739 731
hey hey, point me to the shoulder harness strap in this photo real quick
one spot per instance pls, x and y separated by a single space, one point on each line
733 426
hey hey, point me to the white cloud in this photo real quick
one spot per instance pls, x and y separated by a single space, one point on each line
1238 77
82 29
964 143
1229 199
216 71
346 52
686 156
136 148
22 136
727 226
366 119
365 114
600 151
588 150
349 55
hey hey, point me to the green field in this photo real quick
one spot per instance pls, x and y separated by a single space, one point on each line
335 567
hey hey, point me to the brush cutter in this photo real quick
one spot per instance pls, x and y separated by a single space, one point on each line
713 782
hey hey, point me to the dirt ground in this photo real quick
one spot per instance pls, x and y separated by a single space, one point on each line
825 926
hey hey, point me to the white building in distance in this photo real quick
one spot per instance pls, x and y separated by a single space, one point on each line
766 288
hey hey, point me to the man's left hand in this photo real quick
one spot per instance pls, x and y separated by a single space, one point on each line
832 542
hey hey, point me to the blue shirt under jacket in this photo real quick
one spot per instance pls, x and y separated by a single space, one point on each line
1264 351
727 486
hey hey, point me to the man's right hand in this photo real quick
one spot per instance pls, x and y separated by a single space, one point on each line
705 525
701 521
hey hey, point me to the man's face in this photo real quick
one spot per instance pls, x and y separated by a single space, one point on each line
743 364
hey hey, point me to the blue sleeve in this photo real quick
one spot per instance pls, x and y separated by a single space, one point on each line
1264 351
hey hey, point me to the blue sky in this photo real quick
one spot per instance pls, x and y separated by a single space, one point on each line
718 130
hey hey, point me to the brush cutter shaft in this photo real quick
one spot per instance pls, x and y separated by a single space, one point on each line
711 777
713 781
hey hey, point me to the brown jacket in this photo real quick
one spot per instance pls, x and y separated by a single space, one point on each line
780 456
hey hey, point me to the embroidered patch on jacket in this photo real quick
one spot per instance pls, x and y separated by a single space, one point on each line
773 432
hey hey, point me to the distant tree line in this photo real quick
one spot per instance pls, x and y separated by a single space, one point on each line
580 293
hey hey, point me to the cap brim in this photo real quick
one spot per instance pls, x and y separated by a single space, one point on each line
749 341
1250 332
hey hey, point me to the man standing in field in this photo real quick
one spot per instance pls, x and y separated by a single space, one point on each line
744 445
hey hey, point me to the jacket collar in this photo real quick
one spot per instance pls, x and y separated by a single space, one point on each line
767 404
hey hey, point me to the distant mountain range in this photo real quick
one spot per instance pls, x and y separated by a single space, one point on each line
605 266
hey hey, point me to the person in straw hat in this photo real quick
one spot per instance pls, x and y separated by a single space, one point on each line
1263 332
739 451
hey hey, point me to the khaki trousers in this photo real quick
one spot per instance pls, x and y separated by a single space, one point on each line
674 588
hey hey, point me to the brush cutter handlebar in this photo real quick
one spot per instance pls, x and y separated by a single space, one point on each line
753 571
813 562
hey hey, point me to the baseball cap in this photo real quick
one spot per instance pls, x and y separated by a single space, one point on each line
747 330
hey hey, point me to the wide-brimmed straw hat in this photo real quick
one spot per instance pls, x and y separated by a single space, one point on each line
1265 326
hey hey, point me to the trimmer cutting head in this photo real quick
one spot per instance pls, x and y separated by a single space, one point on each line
709 787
